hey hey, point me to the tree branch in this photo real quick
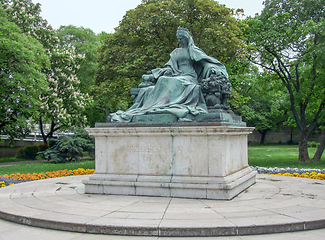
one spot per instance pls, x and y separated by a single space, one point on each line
280 63
288 86
314 123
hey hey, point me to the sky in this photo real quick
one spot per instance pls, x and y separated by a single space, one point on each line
104 15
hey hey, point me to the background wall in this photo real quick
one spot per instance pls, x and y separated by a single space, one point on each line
282 136
7 151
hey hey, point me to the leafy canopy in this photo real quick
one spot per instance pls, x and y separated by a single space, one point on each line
289 37
85 44
266 104
63 104
147 34
22 59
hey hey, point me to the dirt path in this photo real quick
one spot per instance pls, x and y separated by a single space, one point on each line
6 164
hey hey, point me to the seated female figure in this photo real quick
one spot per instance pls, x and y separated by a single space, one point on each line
175 88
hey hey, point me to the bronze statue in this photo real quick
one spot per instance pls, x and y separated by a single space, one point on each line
191 83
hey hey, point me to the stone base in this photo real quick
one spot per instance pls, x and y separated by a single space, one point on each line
172 186
203 161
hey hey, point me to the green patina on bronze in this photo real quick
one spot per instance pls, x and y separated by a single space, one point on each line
192 86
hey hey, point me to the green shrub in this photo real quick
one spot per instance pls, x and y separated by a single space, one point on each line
51 142
85 153
20 153
28 152
69 148
290 142
313 144
43 147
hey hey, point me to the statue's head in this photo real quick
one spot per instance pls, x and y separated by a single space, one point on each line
183 36
183 32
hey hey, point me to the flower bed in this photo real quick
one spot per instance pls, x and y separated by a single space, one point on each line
293 172
312 175
276 170
6 179
11 179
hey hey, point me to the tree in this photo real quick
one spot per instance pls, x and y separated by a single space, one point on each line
265 104
22 59
289 40
63 104
147 34
85 44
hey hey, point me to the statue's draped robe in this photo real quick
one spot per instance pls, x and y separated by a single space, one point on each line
178 93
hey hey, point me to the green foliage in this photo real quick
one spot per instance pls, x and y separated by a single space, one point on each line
42 147
85 43
20 152
313 144
265 104
63 104
30 152
22 59
68 148
289 39
147 34
97 111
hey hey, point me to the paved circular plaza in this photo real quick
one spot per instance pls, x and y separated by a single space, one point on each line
274 204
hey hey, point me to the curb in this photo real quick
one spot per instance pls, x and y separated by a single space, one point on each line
163 232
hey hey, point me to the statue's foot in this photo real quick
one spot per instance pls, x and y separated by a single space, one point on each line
145 84
217 106
185 120
148 78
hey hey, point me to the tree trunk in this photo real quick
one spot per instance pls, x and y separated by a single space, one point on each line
303 148
263 134
50 134
42 130
320 149
52 129
291 138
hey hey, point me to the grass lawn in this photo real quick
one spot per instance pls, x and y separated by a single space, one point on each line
46 167
281 156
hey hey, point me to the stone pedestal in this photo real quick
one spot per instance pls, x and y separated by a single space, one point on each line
206 161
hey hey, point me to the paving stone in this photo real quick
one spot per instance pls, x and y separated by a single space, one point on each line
273 204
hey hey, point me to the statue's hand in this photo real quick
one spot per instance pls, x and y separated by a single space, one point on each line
168 72
217 75
147 80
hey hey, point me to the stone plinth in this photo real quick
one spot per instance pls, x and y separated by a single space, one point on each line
186 160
